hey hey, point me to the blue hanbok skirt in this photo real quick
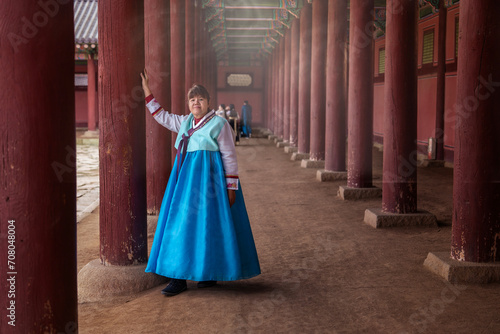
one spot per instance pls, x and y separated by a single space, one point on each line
199 236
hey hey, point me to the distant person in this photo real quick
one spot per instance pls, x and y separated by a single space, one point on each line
233 119
246 114
221 112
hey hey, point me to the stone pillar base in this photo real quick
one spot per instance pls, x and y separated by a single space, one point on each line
299 156
378 219
328 176
152 222
261 133
97 282
291 149
272 137
278 140
448 164
307 163
88 138
91 134
455 271
348 194
282 144
432 163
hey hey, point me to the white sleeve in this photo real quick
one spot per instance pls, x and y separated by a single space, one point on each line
228 153
170 121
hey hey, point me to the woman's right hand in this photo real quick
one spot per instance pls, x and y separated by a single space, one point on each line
145 83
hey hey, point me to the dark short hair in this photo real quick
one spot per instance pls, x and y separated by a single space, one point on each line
245 101
223 106
198 90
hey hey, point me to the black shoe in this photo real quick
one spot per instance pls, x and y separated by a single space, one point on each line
175 287
206 284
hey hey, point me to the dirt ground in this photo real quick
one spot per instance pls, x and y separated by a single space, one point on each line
323 269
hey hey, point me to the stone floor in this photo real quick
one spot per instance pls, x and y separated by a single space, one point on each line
87 179
323 269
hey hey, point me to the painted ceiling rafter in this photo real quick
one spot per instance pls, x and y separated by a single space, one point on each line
260 24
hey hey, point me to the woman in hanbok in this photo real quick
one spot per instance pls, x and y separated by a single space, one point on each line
203 232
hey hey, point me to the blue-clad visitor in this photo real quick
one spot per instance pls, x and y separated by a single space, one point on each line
246 114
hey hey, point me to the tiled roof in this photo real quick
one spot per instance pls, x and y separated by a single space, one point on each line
85 21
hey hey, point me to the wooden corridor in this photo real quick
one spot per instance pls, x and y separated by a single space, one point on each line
323 269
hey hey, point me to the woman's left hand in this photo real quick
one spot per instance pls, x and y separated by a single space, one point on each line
145 83
232 196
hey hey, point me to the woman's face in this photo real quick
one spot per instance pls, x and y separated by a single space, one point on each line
198 106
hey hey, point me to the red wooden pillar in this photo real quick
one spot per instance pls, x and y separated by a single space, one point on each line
210 59
265 102
214 78
272 95
294 82
270 99
335 86
318 83
177 76
271 92
286 88
91 92
476 177
441 76
360 109
206 63
158 139
210 64
198 20
276 90
122 148
203 56
38 171
399 189
177 58
201 53
211 75
213 64
281 87
304 120
189 46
